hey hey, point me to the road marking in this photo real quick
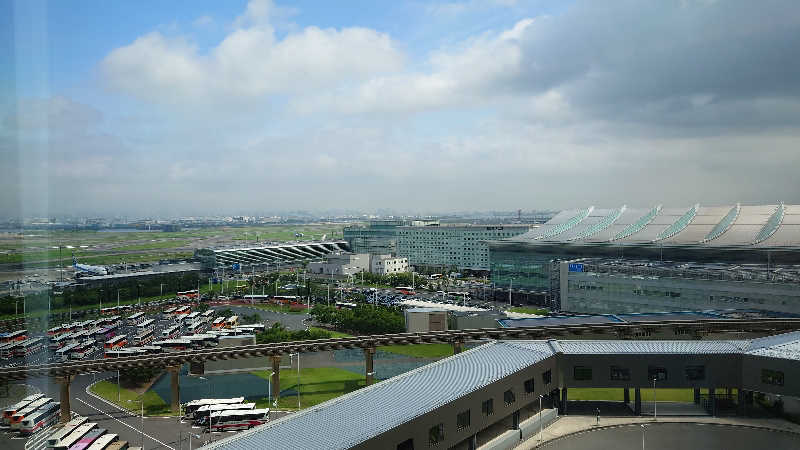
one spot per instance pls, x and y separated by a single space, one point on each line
132 428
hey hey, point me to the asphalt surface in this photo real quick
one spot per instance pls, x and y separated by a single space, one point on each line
670 436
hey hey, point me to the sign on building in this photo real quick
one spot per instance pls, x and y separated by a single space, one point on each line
575 267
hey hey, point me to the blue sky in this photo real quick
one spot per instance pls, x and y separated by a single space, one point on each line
190 107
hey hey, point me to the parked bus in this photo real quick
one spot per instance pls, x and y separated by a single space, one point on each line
106 333
82 349
65 430
63 353
345 305
219 322
192 406
144 337
188 294
285 299
116 342
238 420
29 347
208 314
135 318
88 438
256 298
103 442
70 439
146 325
40 419
55 331
189 318
19 335
16 420
182 310
171 332
232 321
10 410
200 416
405 290
197 327
118 445
173 345
252 328
7 349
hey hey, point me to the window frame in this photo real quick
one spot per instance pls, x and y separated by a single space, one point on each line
460 425
509 398
487 407
436 435
622 373
582 370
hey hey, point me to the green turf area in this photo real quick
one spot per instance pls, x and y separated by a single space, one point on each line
529 310
317 385
153 404
153 245
334 334
420 350
662 395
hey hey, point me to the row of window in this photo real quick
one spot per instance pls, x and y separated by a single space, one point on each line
619 373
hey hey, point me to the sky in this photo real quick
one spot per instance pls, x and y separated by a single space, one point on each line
154 108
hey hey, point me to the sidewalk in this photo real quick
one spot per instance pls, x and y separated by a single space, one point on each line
565 425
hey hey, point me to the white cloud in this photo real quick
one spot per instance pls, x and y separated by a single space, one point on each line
203 21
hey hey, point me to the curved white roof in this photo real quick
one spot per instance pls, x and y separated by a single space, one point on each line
761 226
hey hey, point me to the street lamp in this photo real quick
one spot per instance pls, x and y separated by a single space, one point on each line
210 392
540 417
642 436
655 403
269 389
141 427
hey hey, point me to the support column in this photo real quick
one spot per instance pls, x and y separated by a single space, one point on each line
473 442
458 347
276 377
712 398
637 401
564 401
64 398
741 402
626 396
697 396
369 366
174 374
555 400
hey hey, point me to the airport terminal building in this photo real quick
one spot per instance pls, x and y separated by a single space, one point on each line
658 259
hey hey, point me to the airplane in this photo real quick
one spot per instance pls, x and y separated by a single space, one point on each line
298 234
92 270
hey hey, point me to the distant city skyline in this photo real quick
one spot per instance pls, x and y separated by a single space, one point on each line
204 107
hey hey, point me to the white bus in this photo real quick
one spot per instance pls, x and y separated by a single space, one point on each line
192 406
171 332
219 322
10 410
82 349
135 318
144 337
40 419
65 442
197 327
63 353
208 314
103 441
146 325
201 415
65 430
16 420
173 345
238 420
189 318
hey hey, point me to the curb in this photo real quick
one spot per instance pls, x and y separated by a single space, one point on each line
92 394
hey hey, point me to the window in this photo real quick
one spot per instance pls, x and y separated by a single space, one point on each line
487 408
436 434
529 386
547 377
620 373
508 397
773 377
462 420
582 373
657 373
695 373
408 444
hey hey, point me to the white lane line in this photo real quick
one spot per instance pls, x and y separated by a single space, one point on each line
132 428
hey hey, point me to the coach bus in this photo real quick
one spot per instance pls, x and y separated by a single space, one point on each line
189 318
7 349
119 445
238 420
208 314
103 442
88 438
181 310
285 299
232 322
256 298
173 345
65 431
200 416
70 439
63 353
10 410
219 322
135 318
82 350
171 332
252 328
40 419
106 333
16 420
345 305
146 325
405 290
55 331
29 347
187 294
144 337
19 335
116 342
191 407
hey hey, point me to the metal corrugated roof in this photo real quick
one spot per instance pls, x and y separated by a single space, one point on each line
358 416
653 347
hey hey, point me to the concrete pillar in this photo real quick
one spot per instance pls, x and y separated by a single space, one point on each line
458 347
741 403
712 398
64 398
473 442
369 354
564 401
696 396
626 396
555 400
637 401
276 380
174 374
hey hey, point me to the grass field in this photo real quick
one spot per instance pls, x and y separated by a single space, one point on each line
153 404
662 395
420 350
529 310
334 334
317 385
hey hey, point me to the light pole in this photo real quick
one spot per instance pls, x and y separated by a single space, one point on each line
141 427
642 436
540 417
269 387
655 403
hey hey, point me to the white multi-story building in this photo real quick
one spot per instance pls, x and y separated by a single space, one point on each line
387 264
461 246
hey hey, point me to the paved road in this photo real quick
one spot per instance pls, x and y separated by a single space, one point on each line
290 321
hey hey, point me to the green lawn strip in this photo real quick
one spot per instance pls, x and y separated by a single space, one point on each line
334 334
420 350
317 385
153 404
662 395
153 245
529 310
